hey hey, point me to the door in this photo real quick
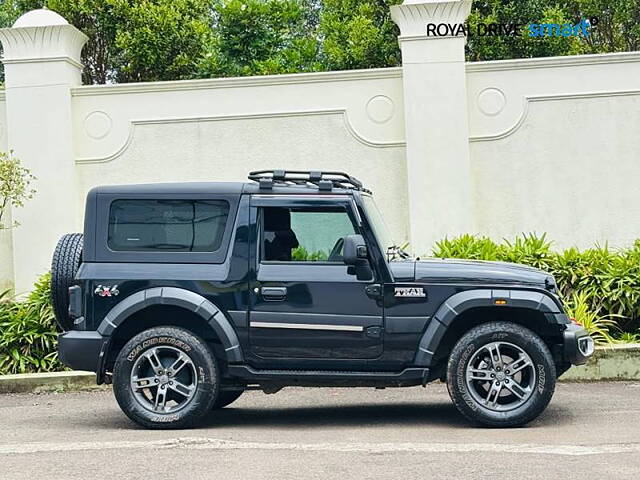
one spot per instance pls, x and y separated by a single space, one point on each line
305 303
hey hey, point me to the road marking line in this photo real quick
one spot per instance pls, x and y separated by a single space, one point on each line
199 443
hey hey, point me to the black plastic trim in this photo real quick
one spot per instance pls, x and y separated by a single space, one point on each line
180 298
572 336
405 324
75 301
460 302
406 377
80 350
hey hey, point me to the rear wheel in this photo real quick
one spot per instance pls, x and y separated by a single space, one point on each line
165 377
501 374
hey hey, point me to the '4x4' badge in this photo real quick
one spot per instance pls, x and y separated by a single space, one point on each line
106 291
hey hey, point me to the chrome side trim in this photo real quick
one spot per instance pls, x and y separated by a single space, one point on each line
308 326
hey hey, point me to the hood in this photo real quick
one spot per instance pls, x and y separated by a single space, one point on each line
470 271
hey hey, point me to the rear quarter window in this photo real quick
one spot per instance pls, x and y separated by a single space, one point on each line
172 225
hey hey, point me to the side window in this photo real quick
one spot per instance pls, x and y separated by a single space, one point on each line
167 225
304 235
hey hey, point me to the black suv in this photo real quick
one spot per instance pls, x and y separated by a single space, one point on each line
185 295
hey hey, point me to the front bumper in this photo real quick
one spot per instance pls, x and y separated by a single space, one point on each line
81 350
578 345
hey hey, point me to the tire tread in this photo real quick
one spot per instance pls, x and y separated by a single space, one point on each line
67 257
530 338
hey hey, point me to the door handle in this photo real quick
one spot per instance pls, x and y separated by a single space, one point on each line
274 294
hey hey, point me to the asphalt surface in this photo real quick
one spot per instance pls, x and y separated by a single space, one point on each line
588 431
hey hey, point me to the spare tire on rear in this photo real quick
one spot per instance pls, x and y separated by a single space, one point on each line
64 266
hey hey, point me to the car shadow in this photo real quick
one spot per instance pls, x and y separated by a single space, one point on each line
370 415
393 414
338 416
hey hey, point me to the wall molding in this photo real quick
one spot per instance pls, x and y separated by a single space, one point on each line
59 58
249 116
238 82
553 62
529 99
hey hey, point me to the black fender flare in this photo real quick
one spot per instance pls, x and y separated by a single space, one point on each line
460 302
180 298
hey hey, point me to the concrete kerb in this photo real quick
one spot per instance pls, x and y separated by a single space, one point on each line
48 382
617 362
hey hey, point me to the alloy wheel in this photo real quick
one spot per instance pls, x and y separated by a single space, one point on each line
500 376
164 379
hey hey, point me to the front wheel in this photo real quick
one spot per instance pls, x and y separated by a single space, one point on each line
501 374
165 377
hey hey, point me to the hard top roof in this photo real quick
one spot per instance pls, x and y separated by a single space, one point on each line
200 188
277 182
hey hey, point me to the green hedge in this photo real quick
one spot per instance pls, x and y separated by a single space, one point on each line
599 284
28 333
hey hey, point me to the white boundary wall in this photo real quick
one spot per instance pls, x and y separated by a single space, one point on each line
496 148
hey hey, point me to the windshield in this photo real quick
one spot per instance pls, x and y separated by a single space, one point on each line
380 229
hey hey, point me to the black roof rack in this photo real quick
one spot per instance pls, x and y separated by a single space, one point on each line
325 181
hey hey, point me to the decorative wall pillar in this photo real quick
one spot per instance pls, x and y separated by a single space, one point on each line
42 64
435 121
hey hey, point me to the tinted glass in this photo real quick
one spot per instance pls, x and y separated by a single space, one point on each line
305 235
167 225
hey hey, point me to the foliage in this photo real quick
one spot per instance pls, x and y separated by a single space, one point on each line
257 37
618 28
358 34
519 46
15 184
301 254
28 334
607 280
626 337
599 327
161 39
131 41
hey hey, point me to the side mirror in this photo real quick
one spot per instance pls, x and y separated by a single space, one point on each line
356 255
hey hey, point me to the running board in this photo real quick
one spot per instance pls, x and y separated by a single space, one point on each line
331 378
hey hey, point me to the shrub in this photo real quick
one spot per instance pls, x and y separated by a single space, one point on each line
599 327
301 254
599 282
28 336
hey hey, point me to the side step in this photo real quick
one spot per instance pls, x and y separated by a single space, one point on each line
330 378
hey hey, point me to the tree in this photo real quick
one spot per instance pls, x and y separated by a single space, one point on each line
520 46
358 34
618 28
160 39
15 185
132 41
256 37
148 40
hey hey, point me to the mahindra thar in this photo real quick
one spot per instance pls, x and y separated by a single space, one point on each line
185 295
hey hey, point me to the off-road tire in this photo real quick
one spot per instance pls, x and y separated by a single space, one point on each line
226 397
198 352
522 337
64 266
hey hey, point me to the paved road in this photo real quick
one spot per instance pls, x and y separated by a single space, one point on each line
588 431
